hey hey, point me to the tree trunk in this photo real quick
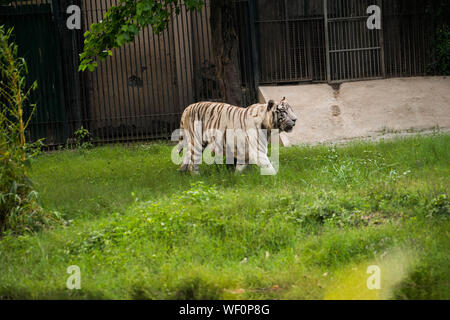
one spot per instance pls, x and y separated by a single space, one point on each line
225 45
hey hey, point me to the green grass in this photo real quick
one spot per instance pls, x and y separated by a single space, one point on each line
139 229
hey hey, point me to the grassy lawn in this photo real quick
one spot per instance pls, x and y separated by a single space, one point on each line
139 229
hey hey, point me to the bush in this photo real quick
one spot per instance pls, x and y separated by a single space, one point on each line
19 210
441 63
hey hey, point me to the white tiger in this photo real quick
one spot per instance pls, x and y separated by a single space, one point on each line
207 124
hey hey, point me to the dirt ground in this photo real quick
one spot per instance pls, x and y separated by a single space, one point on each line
365 109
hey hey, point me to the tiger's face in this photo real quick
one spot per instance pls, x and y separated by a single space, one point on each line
284 117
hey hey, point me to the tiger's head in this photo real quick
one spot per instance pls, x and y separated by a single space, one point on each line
283 117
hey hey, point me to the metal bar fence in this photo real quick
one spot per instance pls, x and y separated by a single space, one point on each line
354 49
137 94
291 41
140 92
401 48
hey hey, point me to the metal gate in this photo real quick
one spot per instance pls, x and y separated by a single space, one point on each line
317 40
354 52
290 40
140 92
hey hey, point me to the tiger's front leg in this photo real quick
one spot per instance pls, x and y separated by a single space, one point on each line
240 168
261 159
266 166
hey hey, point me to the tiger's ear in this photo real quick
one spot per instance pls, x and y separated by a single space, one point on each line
284 99
270 105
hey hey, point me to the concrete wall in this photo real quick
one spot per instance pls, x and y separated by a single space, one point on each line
365 108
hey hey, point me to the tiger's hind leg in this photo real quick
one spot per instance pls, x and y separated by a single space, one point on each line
192 159
197 157
186 164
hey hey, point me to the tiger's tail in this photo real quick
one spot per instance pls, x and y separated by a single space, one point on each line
180 138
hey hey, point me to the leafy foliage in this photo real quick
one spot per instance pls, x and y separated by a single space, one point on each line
19 209
441 64
83 138
123 22
439 11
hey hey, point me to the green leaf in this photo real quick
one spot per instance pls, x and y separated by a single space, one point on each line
123 22
13 189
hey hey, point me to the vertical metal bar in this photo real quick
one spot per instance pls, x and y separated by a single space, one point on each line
127 107
119 113
345 43
81 76
278 52
205 48
144 89
202 47
248 54
309 52
409 45
327 45
342 44
349 40
255 56
132 101
188 56
421 44
360 30
288 43
117 117
271 73
209 39
139 134
84 79
151 100
162 71
173 87
336 40
105 82
347 29
248 92
366 55
59 42
298 49
405 60
372 53
158 81
181 41
149 85
46 124
94 95
416 44
382 52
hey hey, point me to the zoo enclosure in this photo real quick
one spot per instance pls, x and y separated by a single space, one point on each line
140 92
328 40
